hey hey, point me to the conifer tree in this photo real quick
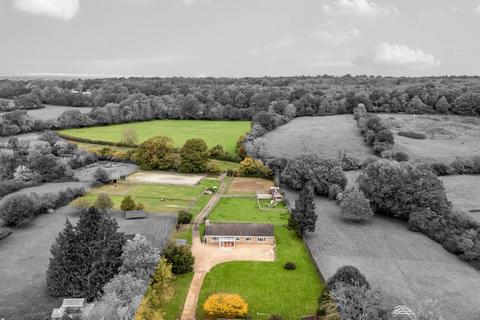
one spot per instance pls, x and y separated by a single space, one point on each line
303 217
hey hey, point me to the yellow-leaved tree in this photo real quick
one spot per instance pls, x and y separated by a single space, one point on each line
222 305
159 292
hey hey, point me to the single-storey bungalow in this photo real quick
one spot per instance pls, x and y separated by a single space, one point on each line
230 234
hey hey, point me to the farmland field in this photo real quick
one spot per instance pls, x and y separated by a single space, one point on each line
25 254
406 265
249 186
446 136
51 112
324 136
462 190
267 286
225 133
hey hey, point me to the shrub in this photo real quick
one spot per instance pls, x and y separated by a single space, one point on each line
101 175
128 204
216 152
348 161
19 209
129 136
441 169
180 257
103 202
290 266
184 217
229 306
139 206
348 275
333 191
412 135
355 206
395 155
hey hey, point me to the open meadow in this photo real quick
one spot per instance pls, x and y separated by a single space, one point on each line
324 136
463 192
408 266
445 136
225 133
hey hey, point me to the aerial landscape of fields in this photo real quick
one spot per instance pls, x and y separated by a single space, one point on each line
227 160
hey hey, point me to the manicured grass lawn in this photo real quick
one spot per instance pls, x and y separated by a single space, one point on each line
225 133
158 197
246 210
181 284
267 286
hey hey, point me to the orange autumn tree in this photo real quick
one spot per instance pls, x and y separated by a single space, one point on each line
224 305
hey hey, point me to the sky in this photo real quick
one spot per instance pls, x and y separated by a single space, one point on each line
238 38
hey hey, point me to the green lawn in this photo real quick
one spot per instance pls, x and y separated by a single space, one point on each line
157 197
246 210
181 284
267 286
225 133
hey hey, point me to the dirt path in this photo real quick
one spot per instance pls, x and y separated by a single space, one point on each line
208 256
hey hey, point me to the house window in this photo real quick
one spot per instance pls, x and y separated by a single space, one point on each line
214 238
248 238
237 239
261 239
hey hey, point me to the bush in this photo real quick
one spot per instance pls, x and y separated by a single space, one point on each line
229 306
216 152
333 191
355 206
290 266
128 204
441 169
180 257
395 155
348 275
348 161
103 202
129 136
184 217
139 206
101 176
412 135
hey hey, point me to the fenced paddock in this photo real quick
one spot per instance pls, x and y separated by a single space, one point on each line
158 177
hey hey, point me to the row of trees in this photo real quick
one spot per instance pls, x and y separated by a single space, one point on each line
374 131
418 196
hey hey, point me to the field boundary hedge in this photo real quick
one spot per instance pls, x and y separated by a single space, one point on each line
100 142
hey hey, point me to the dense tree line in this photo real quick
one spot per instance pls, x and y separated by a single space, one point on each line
24 163
418 196
268 101
374 131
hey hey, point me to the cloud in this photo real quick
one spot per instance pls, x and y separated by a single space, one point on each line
401 55
337 38
477 9
188 2
272 46
62 9
362 8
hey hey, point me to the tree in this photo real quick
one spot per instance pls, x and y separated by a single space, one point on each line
184 217
442 105
129 136
304 216
28 101
18 209
158 292
139 258
24 174
355 206
467 104
128 204
216 151
180 257
194 156
156 153
348 275
85 257
101 175
357 302
103 202
398 189
250 167
229 306
265 119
